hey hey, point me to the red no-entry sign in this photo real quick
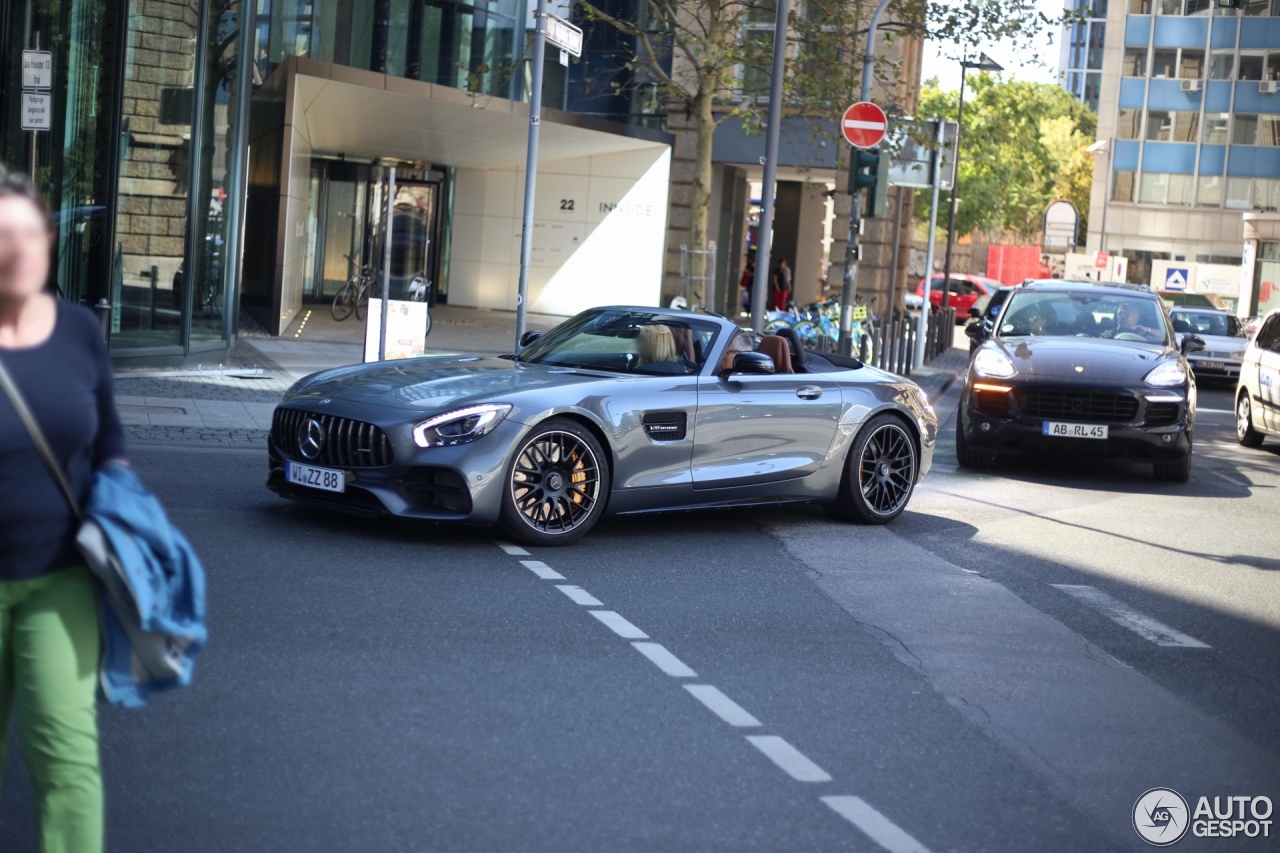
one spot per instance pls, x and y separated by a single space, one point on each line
864 125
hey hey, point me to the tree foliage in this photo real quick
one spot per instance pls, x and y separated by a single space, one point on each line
1023 147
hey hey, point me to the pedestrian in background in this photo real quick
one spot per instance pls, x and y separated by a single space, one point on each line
49 629
746 282
781 285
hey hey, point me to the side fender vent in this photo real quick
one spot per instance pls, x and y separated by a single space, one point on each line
666 426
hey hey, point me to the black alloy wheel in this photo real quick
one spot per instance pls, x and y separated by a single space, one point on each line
557 485
1245 433
880 474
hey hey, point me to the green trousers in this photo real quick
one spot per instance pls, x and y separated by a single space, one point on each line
49 642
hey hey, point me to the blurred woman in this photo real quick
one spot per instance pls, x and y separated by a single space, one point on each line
49 636
656 343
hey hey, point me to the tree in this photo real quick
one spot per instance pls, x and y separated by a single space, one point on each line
712 57
1024 146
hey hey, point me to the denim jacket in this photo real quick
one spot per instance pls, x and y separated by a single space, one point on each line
153 607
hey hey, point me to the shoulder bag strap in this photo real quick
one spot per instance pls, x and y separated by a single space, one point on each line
37 438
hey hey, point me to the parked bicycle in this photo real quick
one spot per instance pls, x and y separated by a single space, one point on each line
354 295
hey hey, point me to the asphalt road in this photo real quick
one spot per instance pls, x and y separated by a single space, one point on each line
1008 667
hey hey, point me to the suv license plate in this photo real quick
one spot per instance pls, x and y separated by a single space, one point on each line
1209 365
316 478
1061 430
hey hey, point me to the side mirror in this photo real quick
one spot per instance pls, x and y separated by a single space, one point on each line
529 337
975 313
754 363
974 331
1192 343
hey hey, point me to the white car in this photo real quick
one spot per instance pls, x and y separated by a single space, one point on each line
1258 393
1224 337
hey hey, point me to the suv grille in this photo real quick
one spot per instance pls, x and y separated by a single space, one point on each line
1071 405
344 443
1162 414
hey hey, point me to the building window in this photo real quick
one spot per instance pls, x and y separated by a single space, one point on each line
1269 130
1223 260
1164 63
1122 186
1222 63
1129 124
1209 193
1097 39
1168 7
1159 126
1257 7
1186 126
1140 264
1192 65
1244 129
1139 7
1237 193
1181 189
1215 128
1135 62
1198 7
1273 66
1266 194
1251 66
1153 187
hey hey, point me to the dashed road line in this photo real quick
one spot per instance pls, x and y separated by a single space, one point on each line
874 825
579 595
1122 614
722 706
618 625
542 570
513 550
790 760
664 660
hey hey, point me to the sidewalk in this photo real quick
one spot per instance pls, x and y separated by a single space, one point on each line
217 410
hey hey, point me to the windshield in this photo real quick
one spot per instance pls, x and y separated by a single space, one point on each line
1083 314
1208 323
626 341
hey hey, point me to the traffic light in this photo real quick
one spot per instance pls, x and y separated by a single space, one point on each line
869 170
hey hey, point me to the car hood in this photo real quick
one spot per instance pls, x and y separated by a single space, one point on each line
1222 344
440 383
1099 358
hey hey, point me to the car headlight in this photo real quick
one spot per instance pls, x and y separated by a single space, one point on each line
992 362
460 426
1238 355
1167 374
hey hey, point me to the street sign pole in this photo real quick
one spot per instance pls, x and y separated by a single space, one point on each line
531 167
387 230
855 209
760 287
936 179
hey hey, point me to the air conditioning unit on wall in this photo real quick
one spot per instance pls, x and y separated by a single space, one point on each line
1191 85
1267 87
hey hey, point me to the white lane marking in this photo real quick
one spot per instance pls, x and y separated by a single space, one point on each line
1121 613
579 595
664 660
542 570
791 760
618 625
876 826
513 550
721 705
1214 411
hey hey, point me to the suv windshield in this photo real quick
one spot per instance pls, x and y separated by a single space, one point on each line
1083 314
626 341
1208 323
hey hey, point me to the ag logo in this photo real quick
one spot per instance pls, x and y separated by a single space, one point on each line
1160 817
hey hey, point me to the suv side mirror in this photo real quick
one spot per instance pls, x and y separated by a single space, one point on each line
1192 343
529 337
754 363
974 331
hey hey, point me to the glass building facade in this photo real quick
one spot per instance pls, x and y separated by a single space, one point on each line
1080 65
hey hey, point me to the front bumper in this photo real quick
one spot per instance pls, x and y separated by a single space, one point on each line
1168 440
1230 368
460 483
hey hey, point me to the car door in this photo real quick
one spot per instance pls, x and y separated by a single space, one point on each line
1268 400
759 429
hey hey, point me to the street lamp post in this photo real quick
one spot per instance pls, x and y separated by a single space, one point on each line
1103 145
984 63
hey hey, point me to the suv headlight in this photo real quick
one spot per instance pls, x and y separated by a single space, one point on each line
993 363
460 426
1167 374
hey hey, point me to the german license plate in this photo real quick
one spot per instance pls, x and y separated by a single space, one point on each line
316 478
1211 365
1061 430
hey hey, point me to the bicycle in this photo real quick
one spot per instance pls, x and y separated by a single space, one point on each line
354 295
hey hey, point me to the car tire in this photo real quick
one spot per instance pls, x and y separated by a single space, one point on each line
966 456
556 485
879 474
1245 433
1173 472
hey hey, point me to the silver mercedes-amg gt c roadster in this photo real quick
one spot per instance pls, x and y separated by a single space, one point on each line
618 410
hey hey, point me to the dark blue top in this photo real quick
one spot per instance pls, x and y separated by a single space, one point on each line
67 384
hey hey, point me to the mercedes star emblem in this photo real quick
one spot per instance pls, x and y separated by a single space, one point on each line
310 437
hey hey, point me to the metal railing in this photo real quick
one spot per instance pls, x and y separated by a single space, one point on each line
897 342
